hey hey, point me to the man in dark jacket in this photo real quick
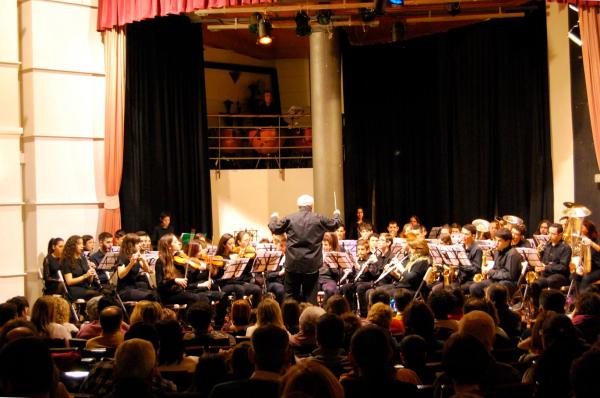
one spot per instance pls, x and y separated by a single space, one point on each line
304 254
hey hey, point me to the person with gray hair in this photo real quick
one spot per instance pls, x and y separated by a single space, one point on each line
304 253
305 341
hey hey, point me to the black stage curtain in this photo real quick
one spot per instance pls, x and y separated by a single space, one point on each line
165 159
450 127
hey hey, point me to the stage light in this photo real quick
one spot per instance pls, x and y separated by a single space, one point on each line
397 2
264 32
324 17
302 24
367 14
453 8
574 7
253 22
574 37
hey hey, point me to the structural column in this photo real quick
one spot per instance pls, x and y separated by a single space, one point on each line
326 110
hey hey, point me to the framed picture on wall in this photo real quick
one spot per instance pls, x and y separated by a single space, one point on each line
241 89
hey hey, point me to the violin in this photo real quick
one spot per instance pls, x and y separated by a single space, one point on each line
247 252
215 261
180 258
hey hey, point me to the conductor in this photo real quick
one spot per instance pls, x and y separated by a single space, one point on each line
304 254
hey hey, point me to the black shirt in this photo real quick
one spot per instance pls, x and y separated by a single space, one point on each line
305 229
50 271
556 258
475 254
96 258
159 231
507 265
76 268
134 278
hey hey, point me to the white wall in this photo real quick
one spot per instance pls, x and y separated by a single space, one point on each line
62 81
561 124
245 199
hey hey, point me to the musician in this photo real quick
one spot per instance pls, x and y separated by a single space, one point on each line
466 273
304 255
506 269
118 238
588 229
105 240
416 268
373 240
412 224
341 232
88 244
328 277
243 248
275 278
171 280
518 233
393 228
556 258
492 229
51 266
543 227
163 228
365 230
145 242
80 278
132 272
382 258
354 231
348 289
236 287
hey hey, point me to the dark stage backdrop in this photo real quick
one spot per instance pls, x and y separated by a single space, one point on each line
450 127
165 161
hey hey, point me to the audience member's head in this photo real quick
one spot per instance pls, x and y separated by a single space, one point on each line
310 379
482 304
91 308
337 304
552 300
26 369
351 324
8 312
240 313
16 329
309 318
480 325
498 295
588 303
379 296
241 367
584 375
290 311
210 371
558 328
134 359
170 336
146 311
442 303
402 299
413 351
199 316
42 314
110 320
370 351
22 306
270 348
268 312
381 314
537 346
62 312
330 332
419 319
144 331
465 360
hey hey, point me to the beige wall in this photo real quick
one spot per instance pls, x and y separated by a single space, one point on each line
561 125
12 266
62 84
245 199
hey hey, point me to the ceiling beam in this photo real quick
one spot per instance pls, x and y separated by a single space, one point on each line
463 17
290 25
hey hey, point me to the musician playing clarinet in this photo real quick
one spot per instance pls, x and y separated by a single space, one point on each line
133 271
466 273
80 278
348 290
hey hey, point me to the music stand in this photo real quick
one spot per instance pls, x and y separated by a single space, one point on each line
338 260
269 247
435 254
266 261
435 232
235 268
108 264
449 257
398 246
531 256
461 254
541 239
349 245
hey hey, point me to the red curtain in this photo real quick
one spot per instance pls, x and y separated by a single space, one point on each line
589 27
582 3
121 12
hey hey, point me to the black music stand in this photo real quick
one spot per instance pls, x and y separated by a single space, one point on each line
461 254
266 261
349 245
269 247
235 268
398 246
108 264
531 256
338 260
541 239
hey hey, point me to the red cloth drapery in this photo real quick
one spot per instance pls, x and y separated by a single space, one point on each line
583 3
121 12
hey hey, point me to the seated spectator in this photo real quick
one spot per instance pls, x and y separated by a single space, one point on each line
330 340
63 315
305 341
584 375
239 362
8 312
501 341
413 352
93 308
552 300
371 353
134 368
146 311
587 316
22 306
240 318
210 371
271 356
442 303
509 320
351 324
290 311
402 299
465 362
380 314
17 329
379 295
533 343
171 356
199 316
310 379
419 319
267 313
43 317
111 336
27 370
337 304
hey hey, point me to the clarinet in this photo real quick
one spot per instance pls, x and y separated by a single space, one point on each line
96 282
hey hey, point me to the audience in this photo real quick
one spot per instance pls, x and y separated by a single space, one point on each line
43 317
199 317
508 320
210 371
305 341
111 335
22 306
310 379
290 311
268 312
171 356
93 307
330 340
240 318
587 316
442 303
134 368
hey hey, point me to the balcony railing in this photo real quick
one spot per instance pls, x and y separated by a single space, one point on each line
259 141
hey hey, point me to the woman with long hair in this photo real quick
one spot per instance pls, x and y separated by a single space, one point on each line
51 266
80 278
171 279
132 271
267 313
590 232
43 316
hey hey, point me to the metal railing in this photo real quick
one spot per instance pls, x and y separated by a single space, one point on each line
259 141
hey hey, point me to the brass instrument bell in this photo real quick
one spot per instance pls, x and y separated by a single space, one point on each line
512 220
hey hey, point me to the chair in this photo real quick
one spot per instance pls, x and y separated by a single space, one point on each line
205 344
182 379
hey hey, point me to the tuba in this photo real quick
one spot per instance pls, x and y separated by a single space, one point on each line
482 227
573 237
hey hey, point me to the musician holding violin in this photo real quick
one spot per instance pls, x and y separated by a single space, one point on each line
132 271
171 278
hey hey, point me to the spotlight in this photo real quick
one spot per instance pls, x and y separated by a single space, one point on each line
573 7
253 22
453 8
367 14
324 17
574 37
264 32
397 2
302 24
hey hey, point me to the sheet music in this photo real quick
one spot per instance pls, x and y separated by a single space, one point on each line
541 239
435 254
349 245
235 268
266 261
462 255
398 246
108 261
265 247
211 250
531 256
151 257
337 260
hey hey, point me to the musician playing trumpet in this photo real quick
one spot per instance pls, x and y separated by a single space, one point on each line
506 267
556 257
362 263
